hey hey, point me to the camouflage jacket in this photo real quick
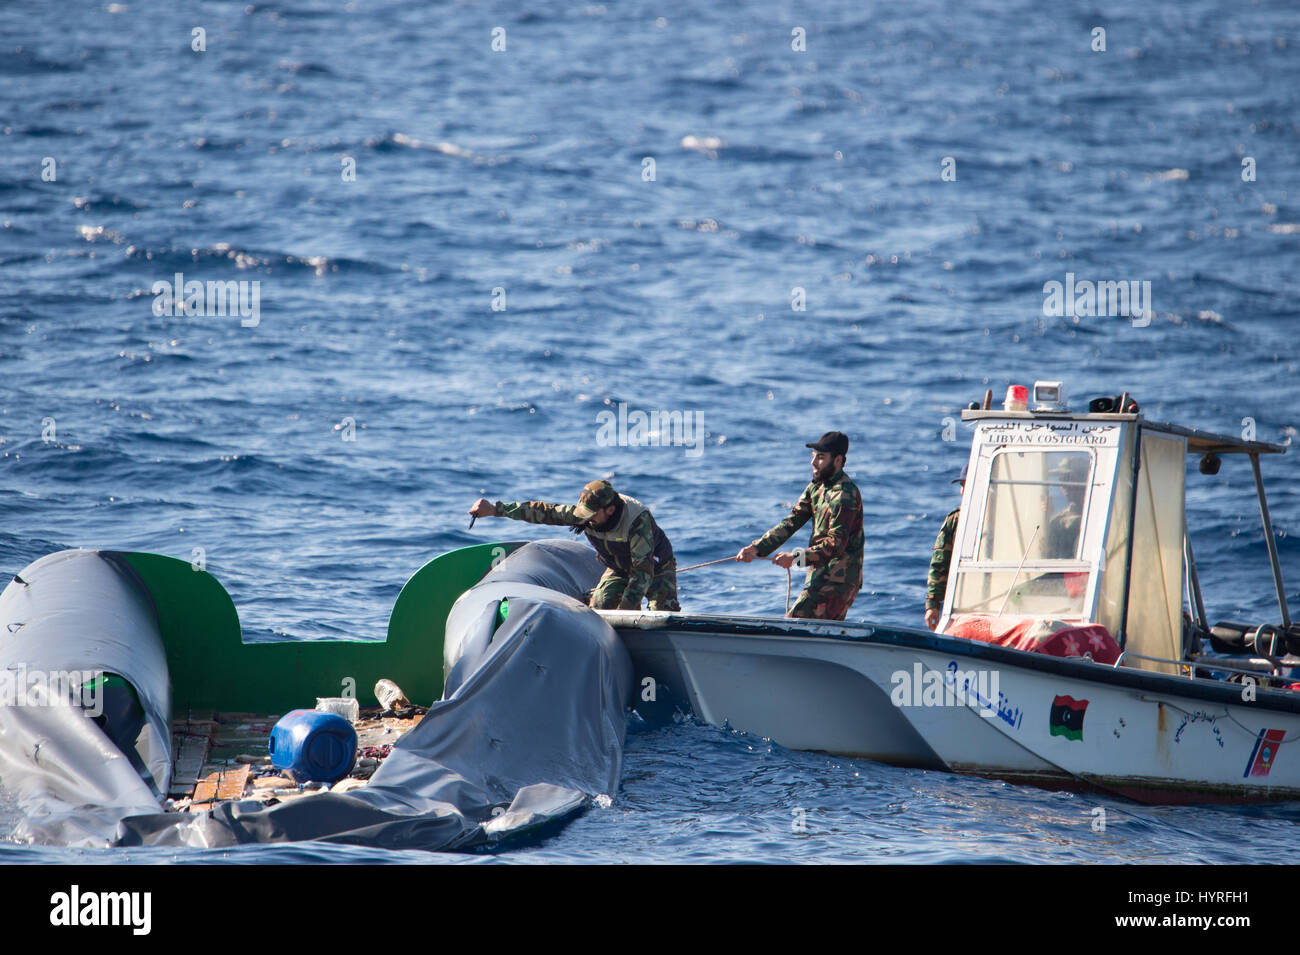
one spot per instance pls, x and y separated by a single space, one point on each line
835 553
937 583
1063 528
634 547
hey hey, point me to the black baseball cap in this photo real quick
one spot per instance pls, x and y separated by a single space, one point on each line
836 442
962 479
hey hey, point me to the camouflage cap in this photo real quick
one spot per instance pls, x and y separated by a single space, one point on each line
596 496
1069 466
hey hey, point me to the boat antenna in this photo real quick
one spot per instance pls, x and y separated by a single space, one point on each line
1023 557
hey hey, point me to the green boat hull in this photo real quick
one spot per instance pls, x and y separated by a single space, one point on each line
212 668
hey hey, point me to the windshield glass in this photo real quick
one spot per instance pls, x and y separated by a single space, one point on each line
1035 512
1035 506
1029 593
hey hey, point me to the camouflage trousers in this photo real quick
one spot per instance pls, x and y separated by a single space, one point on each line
824 604
661 594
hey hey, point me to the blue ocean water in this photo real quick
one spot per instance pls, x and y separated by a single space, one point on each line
518 177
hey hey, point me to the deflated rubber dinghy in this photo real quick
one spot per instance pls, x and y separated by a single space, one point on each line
530 727
529 730
85 700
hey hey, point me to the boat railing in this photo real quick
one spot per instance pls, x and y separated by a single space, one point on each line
1181 664
1188 668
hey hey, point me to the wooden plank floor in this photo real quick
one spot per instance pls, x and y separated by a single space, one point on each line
223 756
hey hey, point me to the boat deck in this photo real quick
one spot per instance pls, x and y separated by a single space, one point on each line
221 757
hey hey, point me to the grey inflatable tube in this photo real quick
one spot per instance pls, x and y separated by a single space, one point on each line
530 728
64 620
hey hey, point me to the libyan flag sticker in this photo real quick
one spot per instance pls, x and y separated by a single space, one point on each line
1067 717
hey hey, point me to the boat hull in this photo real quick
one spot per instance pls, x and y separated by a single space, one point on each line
913 698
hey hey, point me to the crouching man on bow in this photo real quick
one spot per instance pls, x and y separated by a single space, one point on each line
637 555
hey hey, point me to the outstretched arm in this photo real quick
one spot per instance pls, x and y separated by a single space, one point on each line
534 512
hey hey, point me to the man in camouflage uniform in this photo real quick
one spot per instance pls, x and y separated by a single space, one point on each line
637 555
936 584
1070 475
834 555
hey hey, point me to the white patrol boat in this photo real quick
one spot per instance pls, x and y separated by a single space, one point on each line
1063 657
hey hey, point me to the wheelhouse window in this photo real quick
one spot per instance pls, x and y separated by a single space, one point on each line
1030 593
1035 506
1027 557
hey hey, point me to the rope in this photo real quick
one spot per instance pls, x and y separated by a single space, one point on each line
789 575
707 563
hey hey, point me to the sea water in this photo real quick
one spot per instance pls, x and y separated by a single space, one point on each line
446 252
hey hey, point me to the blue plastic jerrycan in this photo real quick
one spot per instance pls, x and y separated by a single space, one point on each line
313 745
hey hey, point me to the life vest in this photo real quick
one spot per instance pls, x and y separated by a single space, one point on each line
612 543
